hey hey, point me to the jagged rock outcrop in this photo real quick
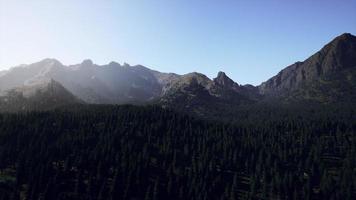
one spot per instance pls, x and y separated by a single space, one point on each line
223 80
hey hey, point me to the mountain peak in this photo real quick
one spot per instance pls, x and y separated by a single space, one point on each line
113 63
221 74
126 65
50 61
345 36
223 79
87 62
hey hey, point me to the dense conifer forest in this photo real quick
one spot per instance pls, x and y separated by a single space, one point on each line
131 152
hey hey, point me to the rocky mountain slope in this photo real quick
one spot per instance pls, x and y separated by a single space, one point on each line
328 75
46 95
197 93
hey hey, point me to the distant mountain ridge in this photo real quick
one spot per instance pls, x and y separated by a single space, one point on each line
113 83
327 76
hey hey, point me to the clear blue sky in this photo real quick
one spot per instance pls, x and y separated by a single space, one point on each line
250 40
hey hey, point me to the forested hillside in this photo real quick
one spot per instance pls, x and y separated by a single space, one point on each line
127 152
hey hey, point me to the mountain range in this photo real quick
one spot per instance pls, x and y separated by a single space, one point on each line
328 76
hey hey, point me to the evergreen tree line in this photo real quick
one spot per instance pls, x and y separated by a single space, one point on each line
128 152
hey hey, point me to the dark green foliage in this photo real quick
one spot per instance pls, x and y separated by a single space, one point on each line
127 152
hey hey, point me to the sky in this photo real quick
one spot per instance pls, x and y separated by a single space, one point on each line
250 40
